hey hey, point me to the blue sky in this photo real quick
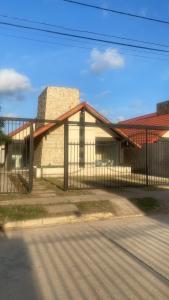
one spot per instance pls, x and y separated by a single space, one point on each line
115 80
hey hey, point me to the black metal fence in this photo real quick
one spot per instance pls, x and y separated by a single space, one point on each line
118 156
81 155
16 155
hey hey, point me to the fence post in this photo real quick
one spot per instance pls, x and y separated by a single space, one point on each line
66 155
31 155
147 175
82 139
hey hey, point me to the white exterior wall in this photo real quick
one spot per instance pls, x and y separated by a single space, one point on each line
52 157
49 151
22 134
2 154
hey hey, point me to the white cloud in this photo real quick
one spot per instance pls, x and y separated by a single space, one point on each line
13 84
104 60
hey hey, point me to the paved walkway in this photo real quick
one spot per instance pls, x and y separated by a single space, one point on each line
126 259
65 202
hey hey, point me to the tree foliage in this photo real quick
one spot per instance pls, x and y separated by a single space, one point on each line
4 138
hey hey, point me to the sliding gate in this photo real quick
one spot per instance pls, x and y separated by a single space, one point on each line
16 155
84 155
117 156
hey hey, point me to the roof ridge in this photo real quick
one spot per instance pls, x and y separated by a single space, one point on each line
62 117
150 115
87 105
74 110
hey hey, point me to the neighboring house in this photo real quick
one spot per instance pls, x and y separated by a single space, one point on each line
158 143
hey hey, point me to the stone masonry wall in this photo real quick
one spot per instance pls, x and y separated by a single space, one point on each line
53 142
53 102
53 148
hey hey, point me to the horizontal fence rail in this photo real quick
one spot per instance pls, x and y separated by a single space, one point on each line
86 124
131 157
81 154
15 155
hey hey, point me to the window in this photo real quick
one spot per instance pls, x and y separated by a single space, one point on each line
107 152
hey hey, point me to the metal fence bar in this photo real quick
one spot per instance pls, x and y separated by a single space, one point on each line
66 156
87 124
145 166
146 158
31 156
134 156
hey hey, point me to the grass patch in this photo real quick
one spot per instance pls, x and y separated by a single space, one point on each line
146 204
21 212
56 184
94 206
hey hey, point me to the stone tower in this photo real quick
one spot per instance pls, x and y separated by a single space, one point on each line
55 101
52 103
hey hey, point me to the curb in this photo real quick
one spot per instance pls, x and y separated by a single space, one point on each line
61 220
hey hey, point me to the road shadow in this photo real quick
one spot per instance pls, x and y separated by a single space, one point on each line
17 278
81 263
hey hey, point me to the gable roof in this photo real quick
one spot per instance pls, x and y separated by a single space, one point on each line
19 129
74 110
61 118
84 105
153 119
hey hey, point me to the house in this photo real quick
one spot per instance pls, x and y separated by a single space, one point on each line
64 104
61 104
90 148
156 151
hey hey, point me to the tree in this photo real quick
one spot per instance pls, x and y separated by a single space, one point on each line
3 137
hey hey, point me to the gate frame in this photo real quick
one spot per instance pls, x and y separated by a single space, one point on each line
66 156
66 124
31 158
147 128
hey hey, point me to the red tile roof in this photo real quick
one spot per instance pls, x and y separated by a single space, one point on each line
154 119
62 118
19 129
44 129
105 121
79 107
135 136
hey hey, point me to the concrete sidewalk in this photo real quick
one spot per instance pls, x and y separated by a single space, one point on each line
127 259
65 203
120 199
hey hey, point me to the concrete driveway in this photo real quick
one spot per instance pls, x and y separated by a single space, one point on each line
122 259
